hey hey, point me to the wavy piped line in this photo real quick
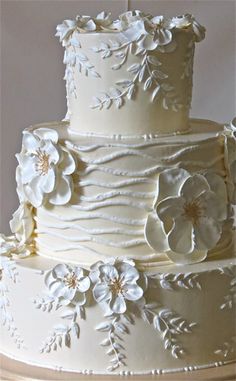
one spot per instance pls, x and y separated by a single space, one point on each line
107 195
121 172
102 204
89 231
118 184
98 240
98 215
149 171
144 144
119 154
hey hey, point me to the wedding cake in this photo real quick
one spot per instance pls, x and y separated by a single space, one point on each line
121 258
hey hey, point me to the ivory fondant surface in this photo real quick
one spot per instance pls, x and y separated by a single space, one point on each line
116 185
130 76
191 297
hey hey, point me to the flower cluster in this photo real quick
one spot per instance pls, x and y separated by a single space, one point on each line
188 215
151 32
45 168
84 24
114 285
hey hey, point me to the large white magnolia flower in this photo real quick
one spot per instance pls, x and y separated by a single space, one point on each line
68 283
22 223
45 168
188 215
115 285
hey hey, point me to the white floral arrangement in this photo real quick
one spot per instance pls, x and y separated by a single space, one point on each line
45 169
136 25
188 215
120 289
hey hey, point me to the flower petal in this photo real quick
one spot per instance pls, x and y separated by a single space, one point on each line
108 272
101 292
193 187
28 168
68 293
60 271
132 292
213 206
148 42
30 142
84 284
47 134
170 182
180 237
207 233
163 37
171 207
34 193
63 191
67 165
48 181
194 257
118 304
154 234
128 274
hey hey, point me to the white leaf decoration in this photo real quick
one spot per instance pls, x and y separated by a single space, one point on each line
155 93
103 327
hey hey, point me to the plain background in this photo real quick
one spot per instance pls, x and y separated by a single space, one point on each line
32 86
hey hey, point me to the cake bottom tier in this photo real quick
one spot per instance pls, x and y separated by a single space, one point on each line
186 322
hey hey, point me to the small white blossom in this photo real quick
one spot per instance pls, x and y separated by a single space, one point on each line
115 285
44 169
69 283
188 215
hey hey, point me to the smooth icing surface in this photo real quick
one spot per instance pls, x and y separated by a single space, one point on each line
132 76
115 191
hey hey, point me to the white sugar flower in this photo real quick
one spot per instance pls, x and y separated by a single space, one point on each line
11 247
158 33
44 169
188 21
66 29
115 285
22 223
188 215
68 283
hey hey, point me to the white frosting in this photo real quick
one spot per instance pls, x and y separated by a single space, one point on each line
115 189
133 75
65 303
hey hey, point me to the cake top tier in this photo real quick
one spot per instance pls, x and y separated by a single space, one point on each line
112 65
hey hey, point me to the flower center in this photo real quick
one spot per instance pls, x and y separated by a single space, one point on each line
71 280
42 165
193 211
116 286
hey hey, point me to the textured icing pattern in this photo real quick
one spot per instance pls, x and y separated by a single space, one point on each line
115 190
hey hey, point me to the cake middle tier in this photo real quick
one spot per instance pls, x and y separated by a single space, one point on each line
115 189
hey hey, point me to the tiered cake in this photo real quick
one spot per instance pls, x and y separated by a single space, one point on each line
121 259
